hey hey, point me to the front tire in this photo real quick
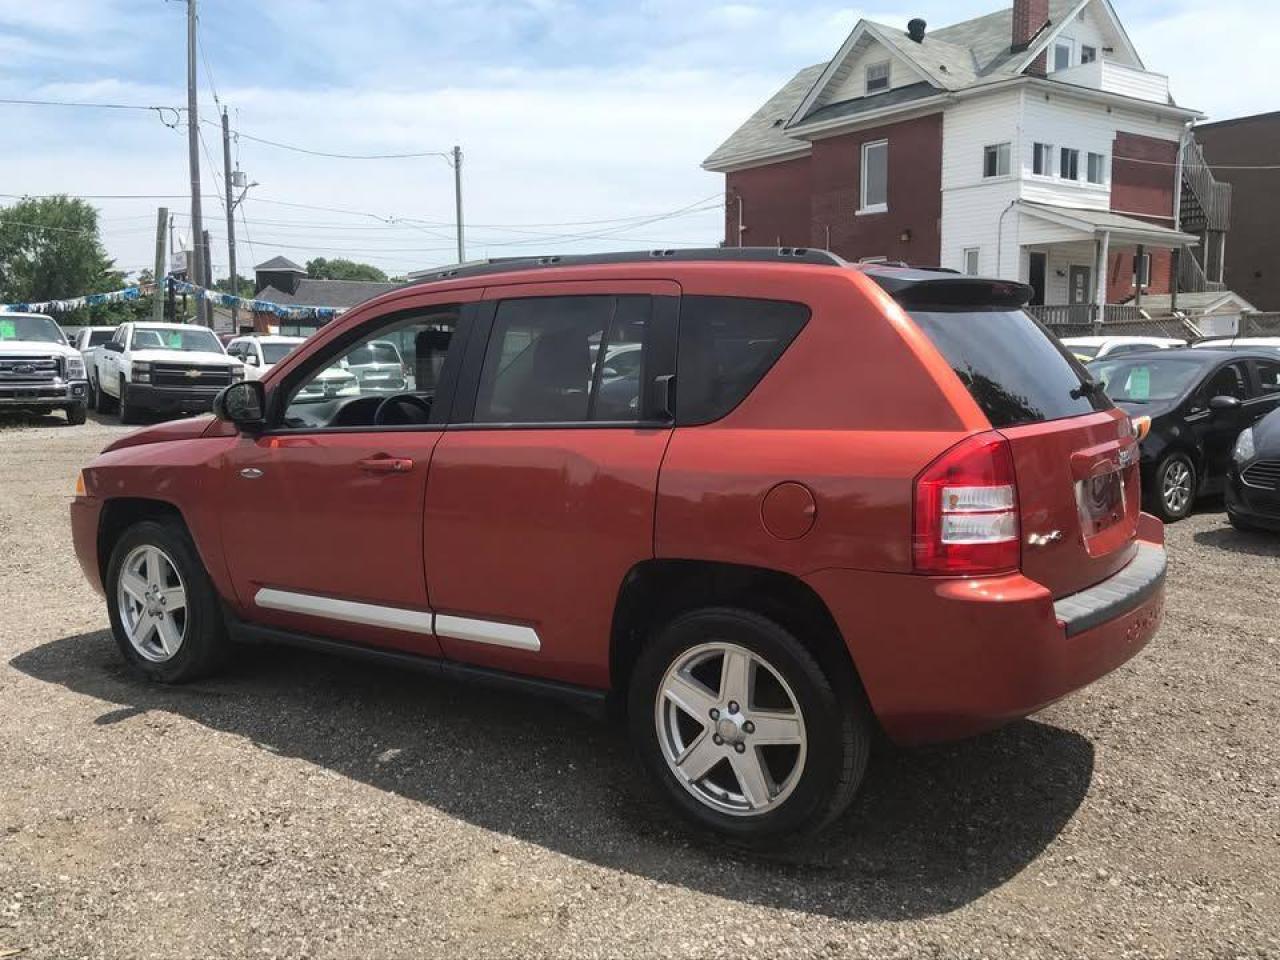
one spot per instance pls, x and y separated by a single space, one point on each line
1173 490
105 404
128 413
77 413
163 608
742 729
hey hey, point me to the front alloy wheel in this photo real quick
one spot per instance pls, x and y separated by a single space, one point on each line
152 603
1175 488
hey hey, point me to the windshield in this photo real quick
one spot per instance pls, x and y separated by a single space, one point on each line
30 328
163 338
1147 379
275 352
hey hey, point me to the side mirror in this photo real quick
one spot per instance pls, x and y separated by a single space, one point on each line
113 346
1224 404
251 359
243 404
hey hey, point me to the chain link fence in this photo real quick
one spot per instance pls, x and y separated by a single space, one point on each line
1260 325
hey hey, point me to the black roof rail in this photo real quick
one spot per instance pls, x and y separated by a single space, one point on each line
807 255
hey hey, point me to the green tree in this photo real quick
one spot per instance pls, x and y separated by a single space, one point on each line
242 288
341 269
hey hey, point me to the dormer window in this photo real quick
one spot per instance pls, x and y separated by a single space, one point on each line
1063 54
1088 54
877 77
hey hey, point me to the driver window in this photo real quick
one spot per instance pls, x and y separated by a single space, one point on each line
1227 382
386 378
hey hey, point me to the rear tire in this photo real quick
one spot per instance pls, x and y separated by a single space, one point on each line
750 790
1173 488
77 413
156 561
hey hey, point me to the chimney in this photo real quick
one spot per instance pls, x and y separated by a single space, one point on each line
916 28
1029 18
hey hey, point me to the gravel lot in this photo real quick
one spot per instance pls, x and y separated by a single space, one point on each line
308 806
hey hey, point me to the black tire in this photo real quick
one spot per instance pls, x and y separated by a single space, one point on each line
77 413
836 723
105 403
91 393
205 645
128 413
1167 508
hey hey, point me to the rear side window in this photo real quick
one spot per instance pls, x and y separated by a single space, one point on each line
99 337
726 346
1011 365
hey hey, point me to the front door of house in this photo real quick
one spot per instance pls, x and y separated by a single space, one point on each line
1037 263
1078 286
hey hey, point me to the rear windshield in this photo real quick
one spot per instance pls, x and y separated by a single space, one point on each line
275 352
1148 379
99 337
1012 366
373 353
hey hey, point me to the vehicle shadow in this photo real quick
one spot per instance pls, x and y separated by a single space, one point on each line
932 830
29 418
1253 543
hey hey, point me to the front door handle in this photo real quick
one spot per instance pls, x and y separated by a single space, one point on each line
251 473
386 465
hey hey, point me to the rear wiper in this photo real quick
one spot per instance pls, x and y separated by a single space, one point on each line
1087 388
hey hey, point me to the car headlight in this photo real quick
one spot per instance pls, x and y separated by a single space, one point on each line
237 372
141 371
1244 446
75 368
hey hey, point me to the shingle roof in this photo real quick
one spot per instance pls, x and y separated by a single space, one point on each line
962 55
326 293
279 265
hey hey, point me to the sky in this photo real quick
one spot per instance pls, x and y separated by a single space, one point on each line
582 123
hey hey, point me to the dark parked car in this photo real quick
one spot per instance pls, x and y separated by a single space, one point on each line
1198 402
1253 478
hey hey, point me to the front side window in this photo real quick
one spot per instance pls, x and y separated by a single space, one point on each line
1069 167
995 161
1042 160
185 339
875 177
387 378
726 346
1097 168
878 77
565 360
1227 382
37 329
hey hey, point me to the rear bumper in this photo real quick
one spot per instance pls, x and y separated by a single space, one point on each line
172 399
1252 505
944 659
43 394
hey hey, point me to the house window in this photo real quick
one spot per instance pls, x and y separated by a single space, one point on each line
1062 54
1069 164
1042 160
878 77
995 161
972 258
875 177
1088 54
1096 169
1142 270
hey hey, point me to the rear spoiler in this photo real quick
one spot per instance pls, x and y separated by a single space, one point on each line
926 288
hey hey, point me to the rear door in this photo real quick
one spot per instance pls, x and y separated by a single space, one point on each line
1074 454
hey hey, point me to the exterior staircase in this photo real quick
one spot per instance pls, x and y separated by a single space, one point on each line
1206 211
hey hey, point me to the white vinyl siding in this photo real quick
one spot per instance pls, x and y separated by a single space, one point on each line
875 177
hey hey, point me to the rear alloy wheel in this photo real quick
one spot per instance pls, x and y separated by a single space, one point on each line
1175 487
164 611
741 727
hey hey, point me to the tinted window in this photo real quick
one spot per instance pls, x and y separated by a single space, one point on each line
167 338
1227 382
99 337
1268 375
1012 366
275 352
40 329
564 360
1147 379
727 345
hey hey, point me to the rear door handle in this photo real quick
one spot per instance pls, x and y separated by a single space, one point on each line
386 465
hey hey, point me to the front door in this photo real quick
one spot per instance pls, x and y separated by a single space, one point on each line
1037 264
1218 430
323 521
1079 288
543 491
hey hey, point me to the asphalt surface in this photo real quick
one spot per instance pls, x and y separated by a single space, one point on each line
305 806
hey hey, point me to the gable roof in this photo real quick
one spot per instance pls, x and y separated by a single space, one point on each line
764 133
280 265
326 293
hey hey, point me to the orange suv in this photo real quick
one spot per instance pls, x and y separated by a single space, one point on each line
764 501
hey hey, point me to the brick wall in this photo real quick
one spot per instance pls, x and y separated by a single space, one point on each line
1143 171
775 205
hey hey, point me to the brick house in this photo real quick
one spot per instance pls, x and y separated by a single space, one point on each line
1029 144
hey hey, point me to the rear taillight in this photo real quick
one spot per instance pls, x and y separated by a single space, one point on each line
966 511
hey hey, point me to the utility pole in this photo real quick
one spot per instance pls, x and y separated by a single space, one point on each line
198 237
228 185
157 301
457 196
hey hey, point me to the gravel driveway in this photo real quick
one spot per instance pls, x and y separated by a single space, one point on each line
306 806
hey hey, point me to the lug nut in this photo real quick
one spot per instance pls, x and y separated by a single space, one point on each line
740 747
715 714
717 740
733 706
749 727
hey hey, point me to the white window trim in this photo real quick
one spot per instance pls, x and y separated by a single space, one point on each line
863 207
1104 169
964 261
1062 152
888 77
1008 160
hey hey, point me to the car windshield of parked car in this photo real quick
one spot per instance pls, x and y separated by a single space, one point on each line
161 338
373 353
40 329
275 352
1146 380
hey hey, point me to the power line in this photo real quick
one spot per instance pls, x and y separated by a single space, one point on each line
1211 166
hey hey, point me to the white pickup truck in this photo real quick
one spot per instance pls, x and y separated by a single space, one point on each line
89 341
162 368
39 370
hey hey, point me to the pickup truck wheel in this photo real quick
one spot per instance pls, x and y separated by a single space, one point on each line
164 611
742 729
104 403
128 414
91 393
77 413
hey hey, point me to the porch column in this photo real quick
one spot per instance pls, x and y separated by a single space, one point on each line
1100 293
1137 276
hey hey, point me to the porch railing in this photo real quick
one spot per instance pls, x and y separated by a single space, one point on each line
1085 314
1191 276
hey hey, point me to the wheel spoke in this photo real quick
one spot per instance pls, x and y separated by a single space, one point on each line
735 677
134 585
700 757
168 633
751 777
142 628
175 598
155 576
776 729
690 696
